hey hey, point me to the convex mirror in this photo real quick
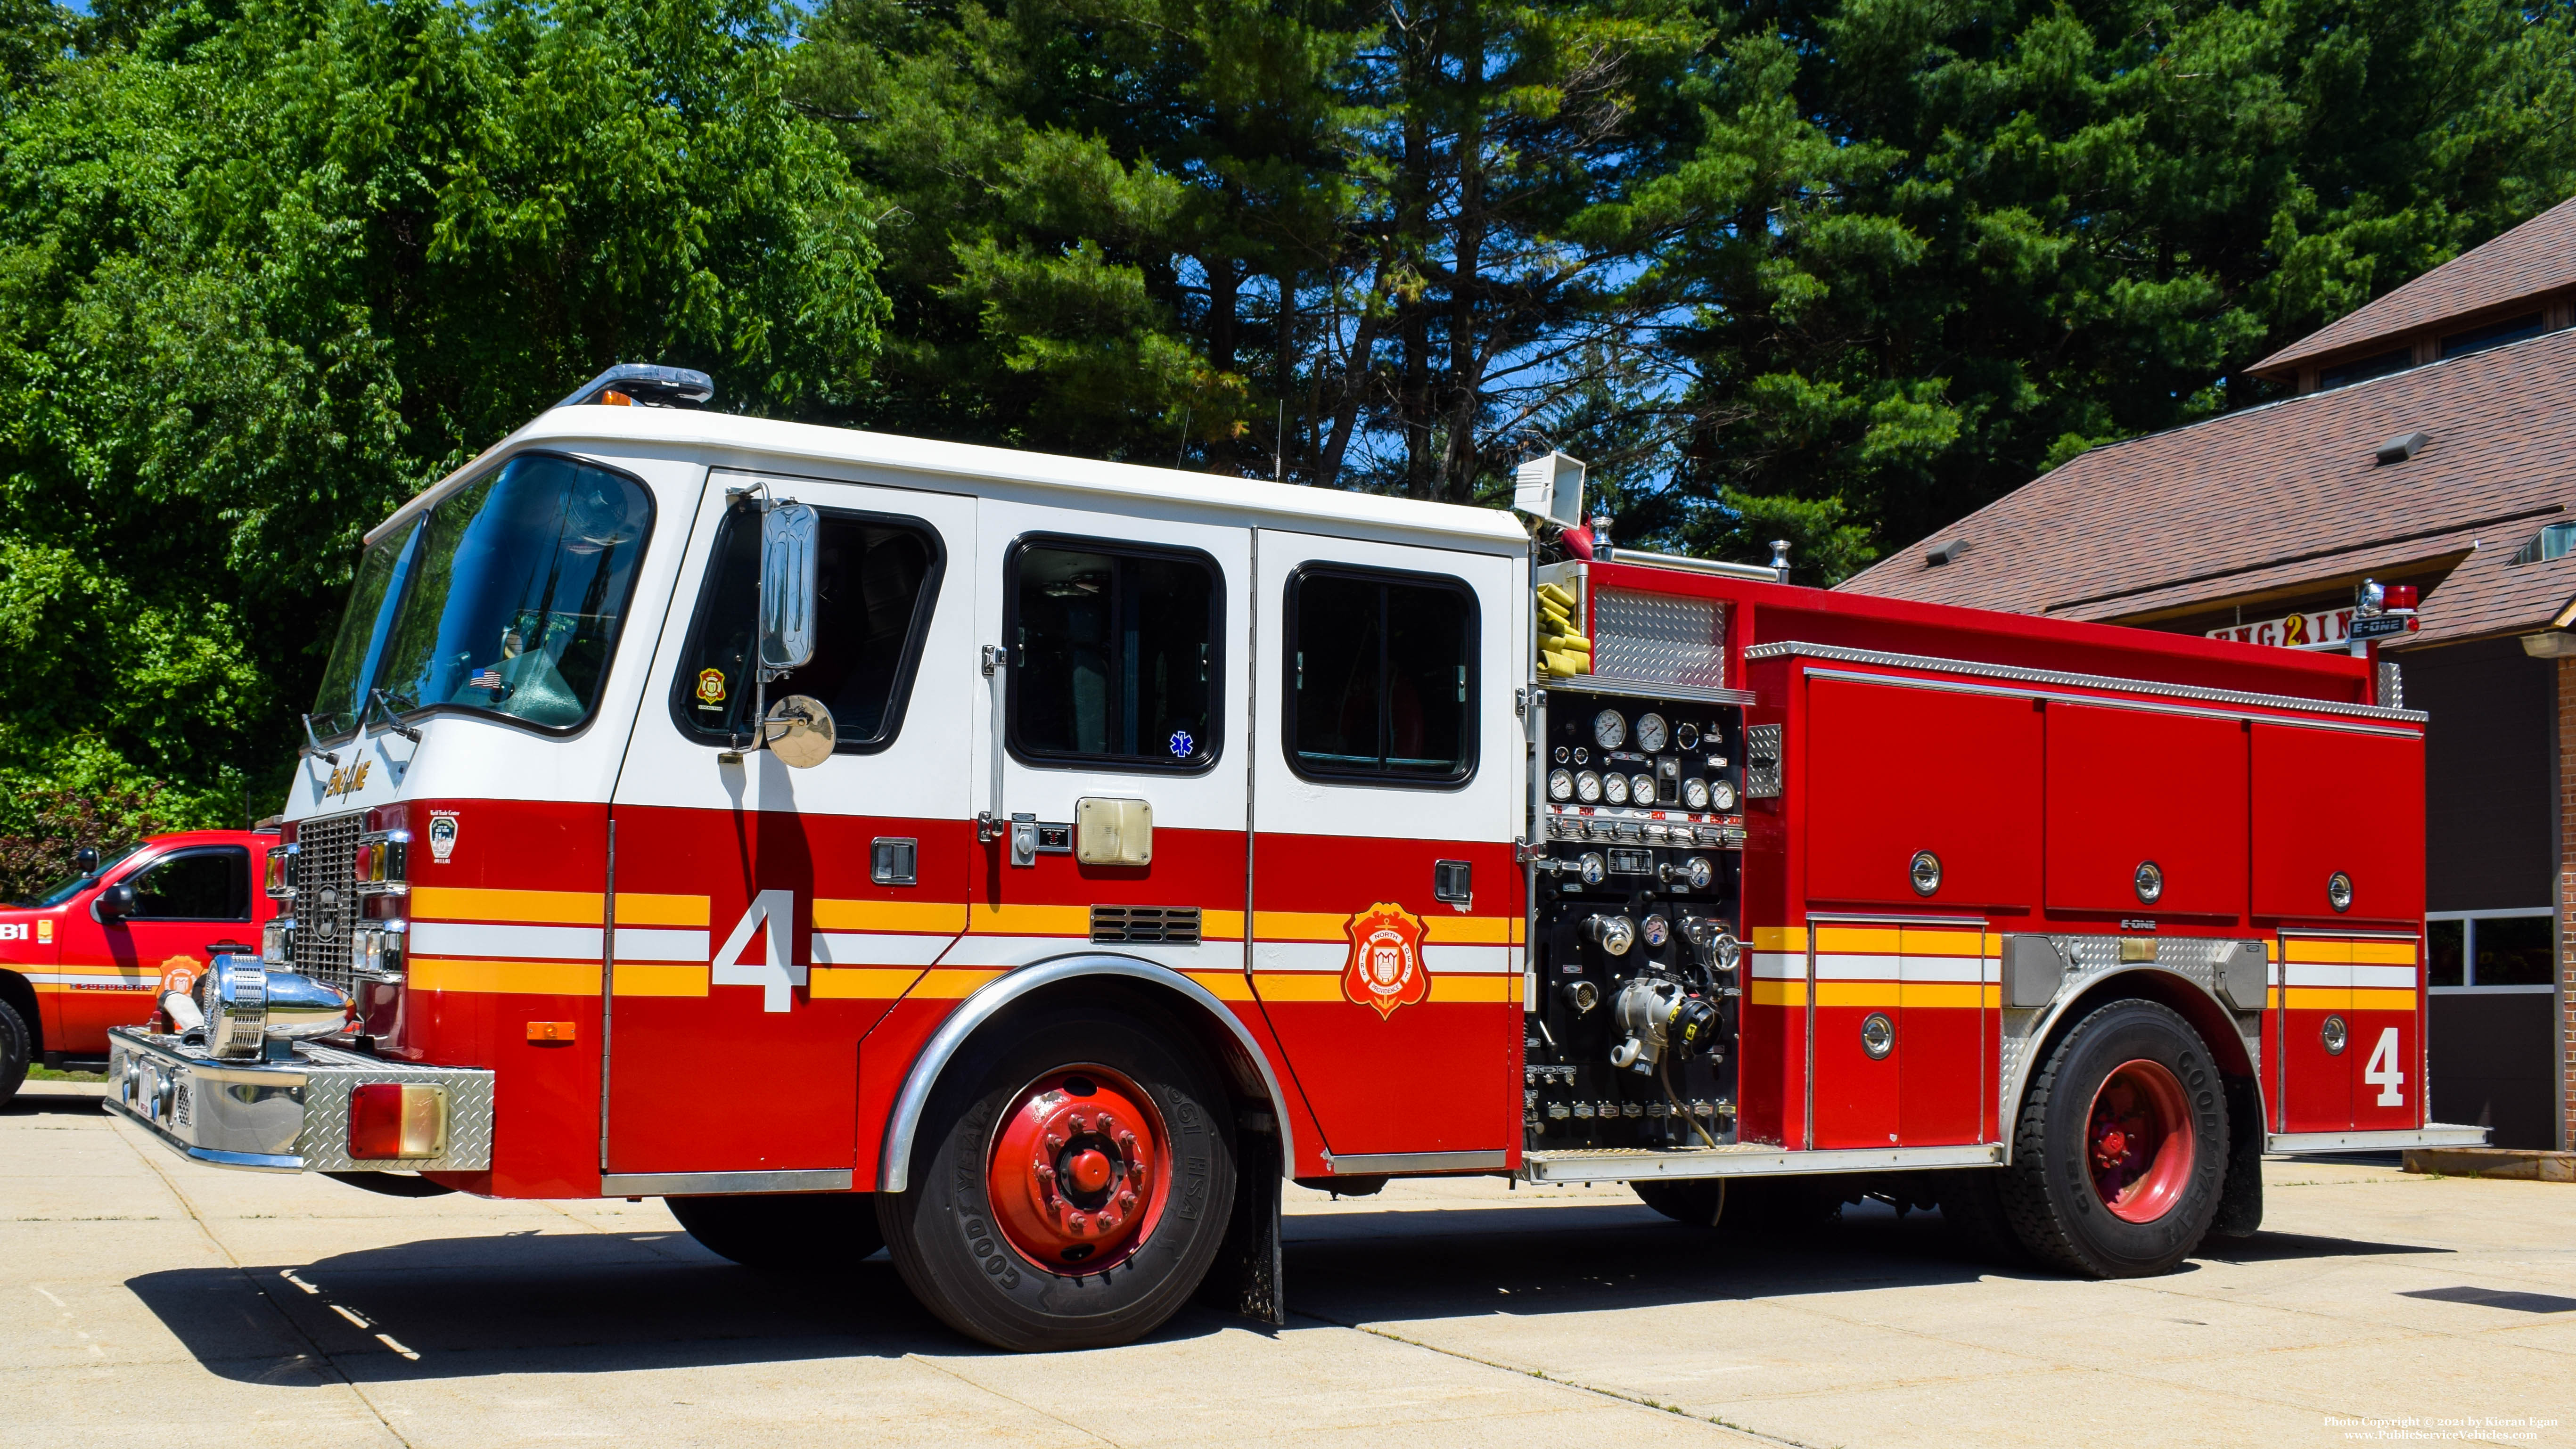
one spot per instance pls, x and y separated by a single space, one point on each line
787 565
799 731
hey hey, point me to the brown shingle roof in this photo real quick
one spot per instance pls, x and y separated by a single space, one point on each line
2536 257
2291 491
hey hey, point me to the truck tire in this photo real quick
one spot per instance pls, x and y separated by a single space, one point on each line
1972 1206
783 1231
17 1049
2121 1145
1071 1181
1698 1202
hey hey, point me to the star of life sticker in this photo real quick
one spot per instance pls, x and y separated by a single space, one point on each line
1385 969
1183 743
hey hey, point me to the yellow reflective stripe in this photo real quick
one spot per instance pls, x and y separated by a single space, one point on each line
2383 953
1300 926
1939 993
1860 940
1763 992
1469 930
945 918
2321 998
1010 920
952 984
639 909
1298 985
1856 993
1223 985
1779 938
452 903
1471 988
1934 941
2375 998
1220 925
860 983
639 979
521 978
2336 953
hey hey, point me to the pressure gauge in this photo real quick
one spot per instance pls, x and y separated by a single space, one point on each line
1560 784
1614 788
1587 788
1651 735
1591 868
1609 730
1698 872
1561 754
1695 793
1656 930
1643 789
1721 796
1686 736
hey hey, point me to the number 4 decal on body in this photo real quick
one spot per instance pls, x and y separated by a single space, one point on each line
776 976
2381 1070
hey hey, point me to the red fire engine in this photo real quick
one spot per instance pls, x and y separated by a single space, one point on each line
1077 850
92 953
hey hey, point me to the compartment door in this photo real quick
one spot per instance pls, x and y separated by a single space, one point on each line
2128 787
1895 770
2317 1034
2328 801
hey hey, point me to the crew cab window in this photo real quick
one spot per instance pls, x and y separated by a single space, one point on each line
194 885
1381 683
876 578
1113 655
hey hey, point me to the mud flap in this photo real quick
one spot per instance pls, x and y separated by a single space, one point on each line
2240 1199
1245 1278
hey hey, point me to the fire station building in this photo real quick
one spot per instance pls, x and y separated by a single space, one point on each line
2430 439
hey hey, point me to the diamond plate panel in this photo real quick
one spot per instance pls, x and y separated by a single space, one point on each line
293 1113
2088 960
1657 639
331 1075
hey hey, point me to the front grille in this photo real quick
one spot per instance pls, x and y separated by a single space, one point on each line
1145 925
326 897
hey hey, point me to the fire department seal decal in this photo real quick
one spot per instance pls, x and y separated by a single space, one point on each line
711 686
1385 969
442 835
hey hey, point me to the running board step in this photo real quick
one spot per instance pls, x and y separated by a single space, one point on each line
1752 1159
2432 1134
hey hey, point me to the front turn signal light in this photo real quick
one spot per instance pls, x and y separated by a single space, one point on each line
390 1120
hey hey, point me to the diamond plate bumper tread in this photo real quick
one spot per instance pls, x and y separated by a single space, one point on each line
285 1116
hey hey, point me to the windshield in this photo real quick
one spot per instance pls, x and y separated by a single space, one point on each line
505 597
79 883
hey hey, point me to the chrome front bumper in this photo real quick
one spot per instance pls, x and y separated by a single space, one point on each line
287 1116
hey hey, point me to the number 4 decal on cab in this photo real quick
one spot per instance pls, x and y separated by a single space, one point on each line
777 976
2381 1070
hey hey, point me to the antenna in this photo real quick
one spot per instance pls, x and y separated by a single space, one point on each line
1279 445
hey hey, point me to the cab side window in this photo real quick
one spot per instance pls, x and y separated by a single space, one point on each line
1381 680
194 885
876 578
1113 655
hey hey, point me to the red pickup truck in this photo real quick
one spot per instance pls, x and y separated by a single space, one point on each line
95 951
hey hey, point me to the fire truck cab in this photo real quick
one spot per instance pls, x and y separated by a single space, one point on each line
1030 862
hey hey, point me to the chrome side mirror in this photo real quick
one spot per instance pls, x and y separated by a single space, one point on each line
787 564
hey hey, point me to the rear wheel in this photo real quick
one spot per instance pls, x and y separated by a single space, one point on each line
17 1049
2121 1147
1697 1202
783 1231
1070 1184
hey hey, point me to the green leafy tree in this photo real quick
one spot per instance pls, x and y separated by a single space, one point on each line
265 272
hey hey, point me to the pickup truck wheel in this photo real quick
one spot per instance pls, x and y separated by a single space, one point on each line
17 1047
783 1231
2121 1146
1697 1202
1071 1182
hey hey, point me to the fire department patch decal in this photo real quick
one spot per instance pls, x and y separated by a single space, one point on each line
711 689
1385 969
442 835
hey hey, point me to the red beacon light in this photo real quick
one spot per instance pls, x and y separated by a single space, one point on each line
2397 598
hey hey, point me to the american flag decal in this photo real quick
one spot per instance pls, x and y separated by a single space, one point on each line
488 679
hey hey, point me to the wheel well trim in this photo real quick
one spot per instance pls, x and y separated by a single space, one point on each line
894 1162
2106 986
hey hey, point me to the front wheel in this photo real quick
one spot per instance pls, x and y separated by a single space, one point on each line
2121 1147
1070 1184
17 1052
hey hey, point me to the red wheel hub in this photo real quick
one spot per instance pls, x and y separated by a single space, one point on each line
1079 1171
2139 1142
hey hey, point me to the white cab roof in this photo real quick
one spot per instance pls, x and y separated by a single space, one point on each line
728 440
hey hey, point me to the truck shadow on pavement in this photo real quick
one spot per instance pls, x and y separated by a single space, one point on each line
602 1302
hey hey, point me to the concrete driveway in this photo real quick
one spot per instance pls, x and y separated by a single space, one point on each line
154 1302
